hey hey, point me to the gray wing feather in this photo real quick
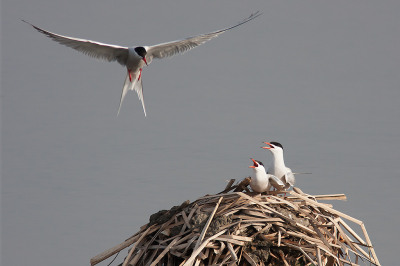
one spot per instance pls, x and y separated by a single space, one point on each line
276 182
98 50
181 46
289 178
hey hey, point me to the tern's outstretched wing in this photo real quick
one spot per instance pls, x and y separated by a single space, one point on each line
98 50
181 46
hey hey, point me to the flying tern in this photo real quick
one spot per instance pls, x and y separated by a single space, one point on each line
135 57
261 181
278 167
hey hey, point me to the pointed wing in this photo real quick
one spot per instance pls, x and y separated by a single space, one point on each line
98 50
302 173
289 178
135 85
276 182
181 46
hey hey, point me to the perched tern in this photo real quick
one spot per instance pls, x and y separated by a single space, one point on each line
278 167
261 181
134 58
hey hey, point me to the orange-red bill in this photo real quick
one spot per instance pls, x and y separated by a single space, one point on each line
268 148
144 59
255 163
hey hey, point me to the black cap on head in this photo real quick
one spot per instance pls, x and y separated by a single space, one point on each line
141 51
277 144
260 163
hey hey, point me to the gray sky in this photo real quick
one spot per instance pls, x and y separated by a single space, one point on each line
321 77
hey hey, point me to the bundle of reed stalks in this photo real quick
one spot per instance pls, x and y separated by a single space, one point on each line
238 227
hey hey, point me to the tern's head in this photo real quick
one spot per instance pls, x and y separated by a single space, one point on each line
257 165
274 147
141 51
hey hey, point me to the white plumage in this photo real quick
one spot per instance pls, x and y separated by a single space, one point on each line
134 58
278 167
261 181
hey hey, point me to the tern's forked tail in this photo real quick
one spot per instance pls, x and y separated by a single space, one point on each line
136 85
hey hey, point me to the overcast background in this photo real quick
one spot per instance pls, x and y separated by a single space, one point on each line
320 77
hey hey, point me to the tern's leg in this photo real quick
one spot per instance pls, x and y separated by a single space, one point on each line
140 74
130 75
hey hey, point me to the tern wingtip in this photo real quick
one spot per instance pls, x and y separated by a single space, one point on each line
25 21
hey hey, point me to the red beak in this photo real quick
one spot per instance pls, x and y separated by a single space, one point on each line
255 163
267 148
144 59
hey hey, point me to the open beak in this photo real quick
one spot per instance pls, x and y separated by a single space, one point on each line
267 148
144 59
255 163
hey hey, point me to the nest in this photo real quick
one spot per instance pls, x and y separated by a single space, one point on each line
246 228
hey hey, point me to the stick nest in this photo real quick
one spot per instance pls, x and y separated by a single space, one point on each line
238 227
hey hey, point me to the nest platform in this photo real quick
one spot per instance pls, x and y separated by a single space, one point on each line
238 227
